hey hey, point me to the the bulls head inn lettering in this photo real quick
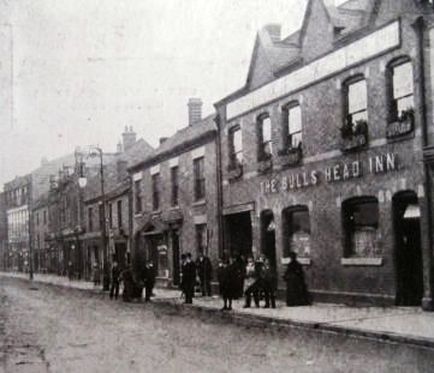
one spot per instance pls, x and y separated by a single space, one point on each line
379 164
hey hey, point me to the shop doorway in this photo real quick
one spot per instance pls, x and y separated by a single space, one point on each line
408 252
238 228
268 236
176 259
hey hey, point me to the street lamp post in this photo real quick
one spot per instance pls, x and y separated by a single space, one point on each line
82 181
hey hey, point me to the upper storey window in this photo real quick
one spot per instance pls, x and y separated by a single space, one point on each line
264 138
293 116
402 89
235 146
357 102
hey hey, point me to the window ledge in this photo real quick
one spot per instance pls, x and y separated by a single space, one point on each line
138 214
199 203
362 261
302 261
156 212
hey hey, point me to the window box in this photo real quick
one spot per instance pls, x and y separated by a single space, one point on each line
235 171
291 156
354 135
358 261
403 126
265 165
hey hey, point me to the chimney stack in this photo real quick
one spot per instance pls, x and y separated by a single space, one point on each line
128 138
194 110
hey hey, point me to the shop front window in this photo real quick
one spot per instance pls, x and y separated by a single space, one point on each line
360 219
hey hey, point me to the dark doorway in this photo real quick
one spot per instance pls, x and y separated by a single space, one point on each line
176 259
238 229
268 236
408 252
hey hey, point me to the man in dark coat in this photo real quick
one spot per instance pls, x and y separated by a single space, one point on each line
128 280
204 272
296 292
269 285
116 273
188 278
150 275
228 277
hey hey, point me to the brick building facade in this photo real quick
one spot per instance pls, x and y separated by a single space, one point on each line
322 151
175 193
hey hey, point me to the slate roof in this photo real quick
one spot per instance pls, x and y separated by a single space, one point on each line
182 139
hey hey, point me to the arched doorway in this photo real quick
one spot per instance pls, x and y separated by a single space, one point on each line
268 234
408 251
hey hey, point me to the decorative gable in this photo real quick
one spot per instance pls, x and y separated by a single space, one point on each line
317 32
261 68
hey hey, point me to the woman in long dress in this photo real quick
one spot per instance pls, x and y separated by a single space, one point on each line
296 291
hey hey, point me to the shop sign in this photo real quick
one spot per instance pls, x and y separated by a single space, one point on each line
342 171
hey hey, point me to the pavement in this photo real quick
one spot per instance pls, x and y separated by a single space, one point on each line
405 325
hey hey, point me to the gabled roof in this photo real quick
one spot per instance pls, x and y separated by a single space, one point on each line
282 55
183 139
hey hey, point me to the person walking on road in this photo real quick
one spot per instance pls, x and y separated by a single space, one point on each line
296 291
150 275
114 287
204 272
188 278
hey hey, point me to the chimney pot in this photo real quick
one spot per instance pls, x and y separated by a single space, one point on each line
128 138
194 110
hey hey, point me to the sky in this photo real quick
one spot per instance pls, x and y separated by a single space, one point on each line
84 69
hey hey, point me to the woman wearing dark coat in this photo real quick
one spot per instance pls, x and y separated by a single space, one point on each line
296 291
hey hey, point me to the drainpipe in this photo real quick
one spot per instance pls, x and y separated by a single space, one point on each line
218 121
428 158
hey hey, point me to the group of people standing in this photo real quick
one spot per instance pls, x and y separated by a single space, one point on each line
191 272
251 279
133 288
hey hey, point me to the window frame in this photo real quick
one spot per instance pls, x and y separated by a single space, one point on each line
90 218
200 234
264 155
287 135
119 213
288 230
138 205
393 112
199 178
349 227
346 98
174 186
156 183
234 160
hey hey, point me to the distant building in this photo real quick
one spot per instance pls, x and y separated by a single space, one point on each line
174 198
322 151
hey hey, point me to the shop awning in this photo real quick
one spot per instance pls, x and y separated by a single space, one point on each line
412 212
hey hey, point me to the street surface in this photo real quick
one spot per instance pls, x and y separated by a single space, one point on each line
50 329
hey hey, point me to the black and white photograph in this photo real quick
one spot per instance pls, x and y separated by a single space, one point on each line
216 186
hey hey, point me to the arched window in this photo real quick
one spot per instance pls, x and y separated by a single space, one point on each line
292 126
360 223
400 88
356 100
296 231
235 146
264 137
